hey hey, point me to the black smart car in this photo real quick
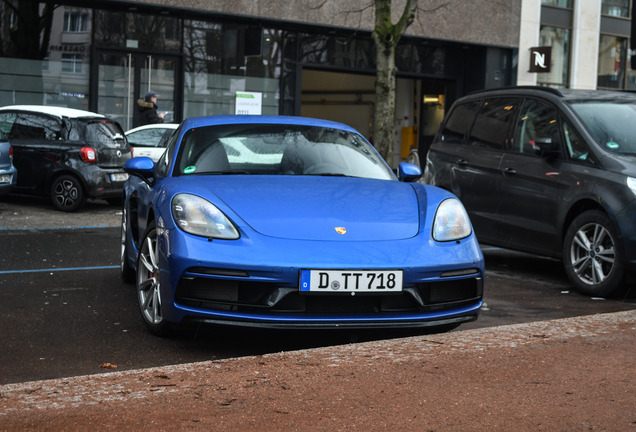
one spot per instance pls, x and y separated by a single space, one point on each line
545 171
67 154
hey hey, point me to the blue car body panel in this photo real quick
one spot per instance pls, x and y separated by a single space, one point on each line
287 224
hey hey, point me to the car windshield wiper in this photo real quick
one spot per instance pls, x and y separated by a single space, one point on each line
224 172
331 175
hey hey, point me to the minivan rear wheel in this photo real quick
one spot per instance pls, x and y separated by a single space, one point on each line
67 193
592 255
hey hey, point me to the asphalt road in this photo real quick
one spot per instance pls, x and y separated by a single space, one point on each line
64 310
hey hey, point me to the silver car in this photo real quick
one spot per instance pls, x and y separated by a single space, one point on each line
8 173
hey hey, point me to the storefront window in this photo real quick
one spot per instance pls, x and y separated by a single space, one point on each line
558 3
559 40
612 62
53 74
339 51
137 31
222 61
617 8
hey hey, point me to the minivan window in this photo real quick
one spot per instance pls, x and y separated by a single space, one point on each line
576 148
538 123
493 123
458 123
612 124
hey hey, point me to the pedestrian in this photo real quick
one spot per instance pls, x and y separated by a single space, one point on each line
148 110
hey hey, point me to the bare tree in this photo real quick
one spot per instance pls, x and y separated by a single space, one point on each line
386 36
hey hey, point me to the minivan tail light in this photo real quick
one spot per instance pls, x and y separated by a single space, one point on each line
88 154
10 152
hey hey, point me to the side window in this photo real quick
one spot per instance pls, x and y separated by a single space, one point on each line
146 137
458 122
6 122
576 148
33 126
164 162
493 123
538 125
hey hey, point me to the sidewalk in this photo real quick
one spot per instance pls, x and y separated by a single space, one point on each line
575 374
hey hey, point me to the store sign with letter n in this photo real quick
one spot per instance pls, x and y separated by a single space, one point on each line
540 58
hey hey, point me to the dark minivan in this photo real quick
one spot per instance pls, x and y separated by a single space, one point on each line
546 171
66 154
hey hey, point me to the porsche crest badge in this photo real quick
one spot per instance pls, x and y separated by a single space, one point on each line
341 230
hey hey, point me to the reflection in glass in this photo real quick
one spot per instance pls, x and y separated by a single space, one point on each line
558 3
559 40
617 8
612 58
220 60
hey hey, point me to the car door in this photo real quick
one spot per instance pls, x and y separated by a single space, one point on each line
477 174
35 140
530 184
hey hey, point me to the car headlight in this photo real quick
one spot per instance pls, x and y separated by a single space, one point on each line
200 217
631 183
451 221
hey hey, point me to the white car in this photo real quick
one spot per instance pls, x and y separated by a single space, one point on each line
150 140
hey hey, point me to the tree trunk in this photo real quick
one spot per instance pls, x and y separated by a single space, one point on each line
386 36
384 125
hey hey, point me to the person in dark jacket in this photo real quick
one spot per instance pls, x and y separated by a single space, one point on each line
148 110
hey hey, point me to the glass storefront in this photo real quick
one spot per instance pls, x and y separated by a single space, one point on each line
105 60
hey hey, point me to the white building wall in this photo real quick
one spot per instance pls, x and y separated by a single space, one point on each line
585 36
585 40
529 28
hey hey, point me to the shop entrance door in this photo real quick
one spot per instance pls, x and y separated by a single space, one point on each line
125 77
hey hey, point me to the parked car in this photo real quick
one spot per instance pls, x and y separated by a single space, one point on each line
66 154
309 228
8 173
150 140
551 172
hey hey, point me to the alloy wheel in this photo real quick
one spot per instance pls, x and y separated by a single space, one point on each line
148 285
592 253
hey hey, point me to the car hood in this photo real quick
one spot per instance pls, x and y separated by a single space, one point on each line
320 208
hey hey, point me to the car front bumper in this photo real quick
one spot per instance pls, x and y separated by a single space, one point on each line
255 282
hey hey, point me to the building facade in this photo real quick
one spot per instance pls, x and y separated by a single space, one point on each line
589 42
292 57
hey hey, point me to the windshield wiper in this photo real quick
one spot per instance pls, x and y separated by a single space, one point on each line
224 172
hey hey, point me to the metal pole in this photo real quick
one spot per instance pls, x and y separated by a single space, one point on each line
128 106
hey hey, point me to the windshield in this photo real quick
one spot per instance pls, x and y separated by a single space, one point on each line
612 124
278 150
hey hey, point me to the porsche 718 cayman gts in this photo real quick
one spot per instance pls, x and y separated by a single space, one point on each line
291 222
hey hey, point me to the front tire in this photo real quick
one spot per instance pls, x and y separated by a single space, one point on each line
592 255
67 193
127 273
149 285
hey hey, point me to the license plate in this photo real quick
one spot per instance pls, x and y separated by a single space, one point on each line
119 177
329 281
5 179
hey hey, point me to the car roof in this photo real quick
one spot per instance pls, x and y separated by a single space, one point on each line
154 126
52 110
262 119
569 95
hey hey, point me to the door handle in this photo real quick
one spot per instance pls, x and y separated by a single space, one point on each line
509 171
462 162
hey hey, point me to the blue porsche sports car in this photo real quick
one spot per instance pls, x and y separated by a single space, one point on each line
291 222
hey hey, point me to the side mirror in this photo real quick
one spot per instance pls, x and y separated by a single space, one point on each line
543 147
142 167
409 173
